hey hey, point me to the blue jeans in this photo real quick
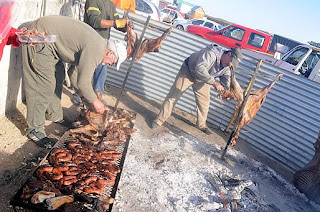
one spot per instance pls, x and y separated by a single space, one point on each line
99 78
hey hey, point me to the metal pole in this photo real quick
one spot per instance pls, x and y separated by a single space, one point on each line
132 60
246 96
44 7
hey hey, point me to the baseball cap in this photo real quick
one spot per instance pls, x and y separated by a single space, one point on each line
119 49
236 55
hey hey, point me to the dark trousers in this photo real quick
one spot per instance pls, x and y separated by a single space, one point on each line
43 78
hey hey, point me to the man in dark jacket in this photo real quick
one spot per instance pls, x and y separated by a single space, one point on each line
200 71
101 15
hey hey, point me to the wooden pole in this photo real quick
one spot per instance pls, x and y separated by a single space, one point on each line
246 96
132 60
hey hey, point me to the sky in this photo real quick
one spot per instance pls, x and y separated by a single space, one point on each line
295 19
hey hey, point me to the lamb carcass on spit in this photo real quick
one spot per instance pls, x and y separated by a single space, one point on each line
255 100
148 45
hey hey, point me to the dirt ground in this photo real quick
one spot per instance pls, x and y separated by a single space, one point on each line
19 156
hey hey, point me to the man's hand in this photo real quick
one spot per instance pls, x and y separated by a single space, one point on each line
218 86
98 106
120 23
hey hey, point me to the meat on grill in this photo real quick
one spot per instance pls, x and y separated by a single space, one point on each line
86 167
255 100
148 45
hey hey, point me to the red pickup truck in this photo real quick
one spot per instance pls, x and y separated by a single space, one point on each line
236 36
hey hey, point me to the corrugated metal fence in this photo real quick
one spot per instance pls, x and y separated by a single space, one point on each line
284 129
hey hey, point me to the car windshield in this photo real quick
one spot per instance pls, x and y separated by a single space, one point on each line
296 56
219 27
222 27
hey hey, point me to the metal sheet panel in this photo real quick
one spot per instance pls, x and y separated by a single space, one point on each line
285 127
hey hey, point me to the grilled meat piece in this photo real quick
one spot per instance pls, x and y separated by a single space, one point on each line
56 202
148 45
41 196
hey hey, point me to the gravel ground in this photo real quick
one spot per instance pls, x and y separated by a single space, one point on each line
177 172
172 168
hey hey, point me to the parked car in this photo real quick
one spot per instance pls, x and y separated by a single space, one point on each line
235 36
146 8
183 24
169 15
303 60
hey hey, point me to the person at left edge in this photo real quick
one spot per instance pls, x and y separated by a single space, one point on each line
7 33
101 15
76 43
9 39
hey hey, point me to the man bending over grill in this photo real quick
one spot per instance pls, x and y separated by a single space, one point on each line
78 44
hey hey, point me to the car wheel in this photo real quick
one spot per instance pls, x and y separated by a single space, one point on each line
180 27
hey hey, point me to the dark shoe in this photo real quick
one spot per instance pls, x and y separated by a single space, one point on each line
76 99
206 130
40 139
154 125
46 142
65 123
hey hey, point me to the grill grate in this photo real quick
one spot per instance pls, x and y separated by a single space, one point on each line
108 191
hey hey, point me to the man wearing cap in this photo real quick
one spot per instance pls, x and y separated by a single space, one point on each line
200 70
43 69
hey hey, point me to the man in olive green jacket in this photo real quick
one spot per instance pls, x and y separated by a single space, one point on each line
76 43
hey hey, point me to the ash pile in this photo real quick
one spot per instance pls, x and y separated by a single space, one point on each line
172 171
235 194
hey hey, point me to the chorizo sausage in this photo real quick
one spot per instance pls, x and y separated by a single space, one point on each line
90 179
109 175
63 157
106 182
94 188
114 169
62 168
68 180
55 175
72 171
59 155
41 170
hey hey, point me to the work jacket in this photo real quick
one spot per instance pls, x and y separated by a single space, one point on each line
95 11
204 66
76 43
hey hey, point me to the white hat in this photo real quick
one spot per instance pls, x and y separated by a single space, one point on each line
119 49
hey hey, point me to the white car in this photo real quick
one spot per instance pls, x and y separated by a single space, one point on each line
169 15
146 8
183 24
